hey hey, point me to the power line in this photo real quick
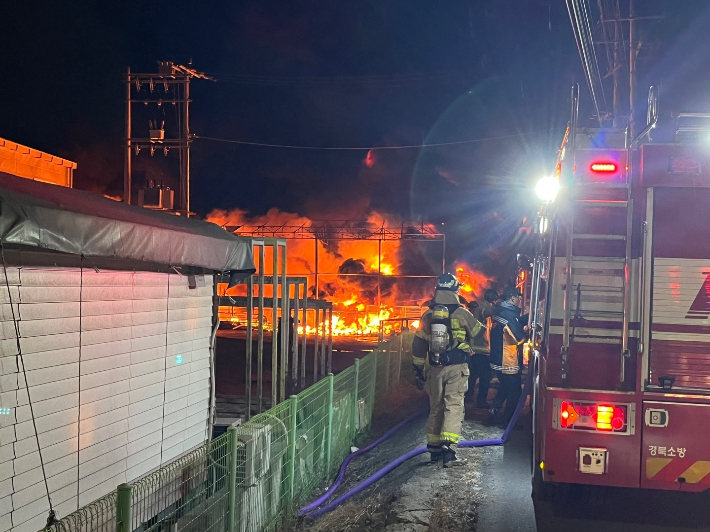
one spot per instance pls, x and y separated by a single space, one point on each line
393 80
361 148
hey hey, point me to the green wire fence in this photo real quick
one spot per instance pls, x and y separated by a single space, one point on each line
254 477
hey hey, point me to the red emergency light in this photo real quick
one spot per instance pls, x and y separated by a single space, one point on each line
593 417
604 167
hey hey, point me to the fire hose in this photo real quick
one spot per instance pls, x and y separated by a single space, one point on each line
311 511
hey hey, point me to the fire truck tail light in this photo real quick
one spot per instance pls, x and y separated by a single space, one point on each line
604 416
593 417
604 167
568 415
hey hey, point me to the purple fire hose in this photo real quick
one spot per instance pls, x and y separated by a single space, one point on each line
341 474
420 450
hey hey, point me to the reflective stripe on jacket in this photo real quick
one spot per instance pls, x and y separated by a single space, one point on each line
464 327
507 333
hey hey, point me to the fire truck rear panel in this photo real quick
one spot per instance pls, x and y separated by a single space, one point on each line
675 451
564 458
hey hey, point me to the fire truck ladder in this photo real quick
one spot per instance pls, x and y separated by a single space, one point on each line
605 199
573 313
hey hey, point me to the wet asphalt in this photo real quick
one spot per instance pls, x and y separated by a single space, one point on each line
507 506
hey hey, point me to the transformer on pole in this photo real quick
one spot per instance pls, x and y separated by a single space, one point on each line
170 86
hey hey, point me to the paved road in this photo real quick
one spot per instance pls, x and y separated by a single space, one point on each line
507 506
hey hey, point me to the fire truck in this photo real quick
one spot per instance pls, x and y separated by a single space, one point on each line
620 311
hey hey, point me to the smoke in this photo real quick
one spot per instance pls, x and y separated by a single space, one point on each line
348 268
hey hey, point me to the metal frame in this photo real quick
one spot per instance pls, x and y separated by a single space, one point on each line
276 237
336 230
323 339
646 279
170 75
288 292
570 237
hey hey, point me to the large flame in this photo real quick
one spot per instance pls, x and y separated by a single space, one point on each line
472 282
348 274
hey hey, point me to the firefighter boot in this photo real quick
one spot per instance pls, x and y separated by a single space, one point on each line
450 459
435 453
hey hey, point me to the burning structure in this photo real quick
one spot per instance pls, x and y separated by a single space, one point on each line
355 281
377 272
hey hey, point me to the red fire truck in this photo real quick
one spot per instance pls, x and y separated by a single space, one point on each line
620 306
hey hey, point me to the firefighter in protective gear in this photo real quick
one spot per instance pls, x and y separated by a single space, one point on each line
507 333
478 362
443 367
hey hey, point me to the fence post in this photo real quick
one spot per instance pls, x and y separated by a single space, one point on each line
373 399
293 409
329 433
387 368
356 396
123 508
233 443
398 371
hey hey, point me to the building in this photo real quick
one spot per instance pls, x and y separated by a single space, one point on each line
107 329
21 161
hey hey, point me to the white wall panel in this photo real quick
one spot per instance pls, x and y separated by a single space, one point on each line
119 381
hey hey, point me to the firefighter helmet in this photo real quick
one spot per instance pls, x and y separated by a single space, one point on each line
447 281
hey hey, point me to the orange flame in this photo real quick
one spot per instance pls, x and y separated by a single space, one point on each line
348 274
472 282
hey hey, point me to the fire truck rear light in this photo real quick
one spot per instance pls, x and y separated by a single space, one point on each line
568 415
593 417
604 167
619 419
604 417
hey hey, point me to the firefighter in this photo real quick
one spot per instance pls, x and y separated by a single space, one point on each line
440 351
478 363
506 334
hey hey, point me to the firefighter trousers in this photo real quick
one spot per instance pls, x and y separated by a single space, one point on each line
508 393
446 387
481 372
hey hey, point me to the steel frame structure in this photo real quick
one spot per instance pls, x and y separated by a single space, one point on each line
336 230
296 291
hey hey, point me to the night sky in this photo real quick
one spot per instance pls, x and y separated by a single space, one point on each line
330 74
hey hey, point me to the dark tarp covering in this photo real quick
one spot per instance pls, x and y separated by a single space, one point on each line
50 217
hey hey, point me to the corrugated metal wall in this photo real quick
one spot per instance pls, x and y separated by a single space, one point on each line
118 370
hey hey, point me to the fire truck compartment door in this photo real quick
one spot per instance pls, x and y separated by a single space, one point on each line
680 321
674 451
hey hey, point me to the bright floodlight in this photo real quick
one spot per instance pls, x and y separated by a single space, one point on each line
547 189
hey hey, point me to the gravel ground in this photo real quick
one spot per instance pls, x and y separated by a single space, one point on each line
417 496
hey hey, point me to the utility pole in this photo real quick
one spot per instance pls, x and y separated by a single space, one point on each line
127 174
615 76
185 170
170 86
632 65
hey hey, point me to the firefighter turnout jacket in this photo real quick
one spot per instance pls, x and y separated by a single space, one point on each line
464 329
446 383
507 333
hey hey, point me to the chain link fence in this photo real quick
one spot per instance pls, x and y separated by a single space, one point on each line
254 477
